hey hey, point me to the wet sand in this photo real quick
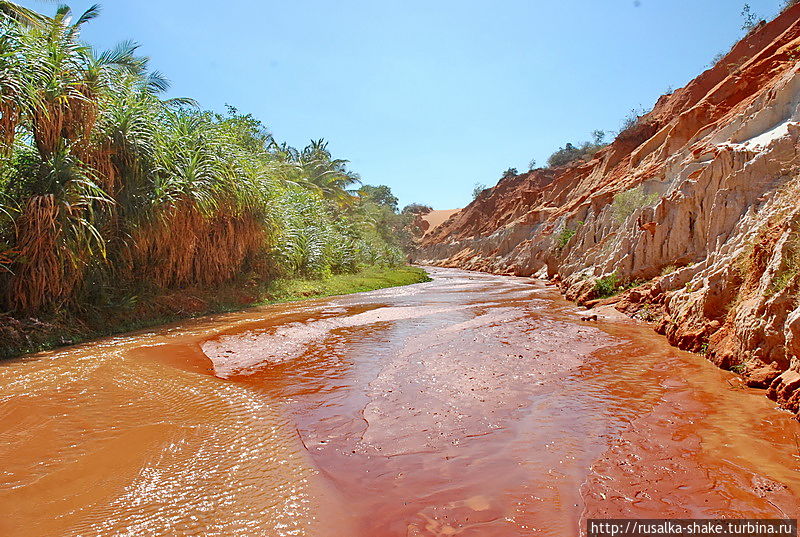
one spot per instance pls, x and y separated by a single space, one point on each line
472 405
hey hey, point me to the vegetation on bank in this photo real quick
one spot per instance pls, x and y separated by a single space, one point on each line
112 195
25 335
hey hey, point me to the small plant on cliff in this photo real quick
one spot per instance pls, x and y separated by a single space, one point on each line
510 172
565 235
738 368
792 269
669 269
628 202
477 189
647 314
749 19
607 286
632 119
532 165
571 153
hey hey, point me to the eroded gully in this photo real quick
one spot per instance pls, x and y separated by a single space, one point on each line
472 405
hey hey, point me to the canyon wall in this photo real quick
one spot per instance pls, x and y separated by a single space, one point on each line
694 210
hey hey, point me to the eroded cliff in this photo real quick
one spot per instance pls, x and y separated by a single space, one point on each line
695 210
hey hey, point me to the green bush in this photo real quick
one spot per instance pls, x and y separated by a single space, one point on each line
628 202
570 153
565 235
607 286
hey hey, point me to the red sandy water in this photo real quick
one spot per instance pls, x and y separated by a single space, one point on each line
472 405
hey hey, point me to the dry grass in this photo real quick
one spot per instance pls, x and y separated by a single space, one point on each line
44 273
185 247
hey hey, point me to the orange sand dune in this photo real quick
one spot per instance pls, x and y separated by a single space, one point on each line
437 218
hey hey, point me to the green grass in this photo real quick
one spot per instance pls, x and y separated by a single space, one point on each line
20 336
288 290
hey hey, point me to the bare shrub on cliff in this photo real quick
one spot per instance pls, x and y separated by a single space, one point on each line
749 18
632 119
477 189
628 202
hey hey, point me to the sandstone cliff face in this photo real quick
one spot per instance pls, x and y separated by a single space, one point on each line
697 207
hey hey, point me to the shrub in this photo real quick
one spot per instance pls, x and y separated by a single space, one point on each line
632 119
510 172
417 208
749 18
792 269
565 235
669 269
628 202
477 190
570 153
607 286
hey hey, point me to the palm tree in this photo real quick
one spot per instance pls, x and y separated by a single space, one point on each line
66 78
328 176
21 15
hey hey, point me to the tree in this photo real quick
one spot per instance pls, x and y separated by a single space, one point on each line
15 12
598 136
510 172
382 195
321 172
417 208
532 164
477 189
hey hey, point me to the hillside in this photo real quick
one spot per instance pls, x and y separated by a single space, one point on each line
691 217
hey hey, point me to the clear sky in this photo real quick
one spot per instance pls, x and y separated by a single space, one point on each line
427 97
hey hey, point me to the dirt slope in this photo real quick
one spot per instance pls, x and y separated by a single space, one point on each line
706 222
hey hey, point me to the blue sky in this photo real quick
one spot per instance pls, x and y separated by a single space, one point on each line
427 97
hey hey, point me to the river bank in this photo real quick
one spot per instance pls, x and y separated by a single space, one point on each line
20 335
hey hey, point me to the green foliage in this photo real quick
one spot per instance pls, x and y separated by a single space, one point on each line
510 172
669 269
566 234
571 153
417 208
382 195
105 186
607 286
628 202
790 270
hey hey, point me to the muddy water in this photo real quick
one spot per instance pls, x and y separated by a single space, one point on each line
472 405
